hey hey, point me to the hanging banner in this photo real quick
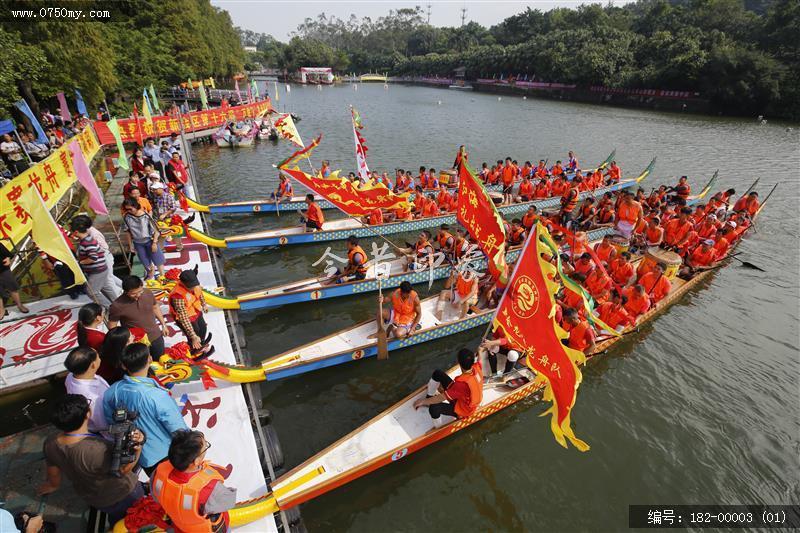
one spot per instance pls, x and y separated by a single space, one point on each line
53 177
63 109
23 106
80 104
163 125
361 146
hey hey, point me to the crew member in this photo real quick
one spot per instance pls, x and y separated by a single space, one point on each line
190 489
614 174
356 268
456 398
656 284
446 240
313 216
572 161
702 258
517 234
613 312
406 311
621 269
461 290
508 175
284 191
581 335
638 302
677 230
569 201
525 190
187 305
629 215
683 189
529 218
604 250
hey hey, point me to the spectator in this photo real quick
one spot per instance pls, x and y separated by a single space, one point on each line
137 160
97 235
90 320
143 201
174 142
137 307
134 182
52 137
187 305
178 174
85 459
151 151
12 155
113 345
8 284
92 260
144 237
159 415
165 206
82 364
210 499
37 151
24 522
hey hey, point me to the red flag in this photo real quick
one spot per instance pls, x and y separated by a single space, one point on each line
477 213
526 315
138 125
343 194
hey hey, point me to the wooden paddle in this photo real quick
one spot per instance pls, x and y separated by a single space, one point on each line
383 345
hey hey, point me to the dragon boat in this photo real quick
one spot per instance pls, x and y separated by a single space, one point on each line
341 229
401 430
298 202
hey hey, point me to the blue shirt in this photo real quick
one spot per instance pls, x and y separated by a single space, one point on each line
152 153
158 417
7 524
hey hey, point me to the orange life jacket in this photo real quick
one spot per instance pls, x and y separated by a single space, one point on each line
707 231
628 213
285 188
674 231
741 204
597 282
528 220
351 255
444 199
653 235
443 238
558 187
458 248
614 173
542 190
604 251
474 380
621 271
752 206
464 287
376 217
508 175
587 211
721 246
556 170
181 501
613 315
606 215
403 308
526 188
515 235
315 214
430 209
636 306
577 336
191 298
655 285
701 258
683 190
402 213
569 201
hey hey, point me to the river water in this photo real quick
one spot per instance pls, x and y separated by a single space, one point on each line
700 407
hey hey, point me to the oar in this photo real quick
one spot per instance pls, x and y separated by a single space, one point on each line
318 280
747 264
383 347
277 206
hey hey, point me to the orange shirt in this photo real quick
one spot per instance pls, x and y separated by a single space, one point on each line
315 214
605 251
542 190
656 286
675 231
597 283
376 217
508 174
614 315
526 188
635 306
703 258
621 271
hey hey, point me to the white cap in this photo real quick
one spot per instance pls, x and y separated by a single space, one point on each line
157 185
712 217
709 242
731 223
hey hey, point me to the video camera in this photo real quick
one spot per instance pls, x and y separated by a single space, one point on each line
121 430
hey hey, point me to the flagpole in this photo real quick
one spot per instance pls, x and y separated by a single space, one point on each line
22 145
119 241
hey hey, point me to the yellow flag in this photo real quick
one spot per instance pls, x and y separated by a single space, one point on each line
148 118
45 232
285 126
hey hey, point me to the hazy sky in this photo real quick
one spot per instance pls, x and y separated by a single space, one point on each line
280 17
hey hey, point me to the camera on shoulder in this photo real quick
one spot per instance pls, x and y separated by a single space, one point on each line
121 430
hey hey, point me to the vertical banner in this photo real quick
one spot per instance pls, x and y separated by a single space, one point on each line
86 179
25 109
62 102
113 126
203 97
361 146
154 98
80 104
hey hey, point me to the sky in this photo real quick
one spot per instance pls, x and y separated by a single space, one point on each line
281 17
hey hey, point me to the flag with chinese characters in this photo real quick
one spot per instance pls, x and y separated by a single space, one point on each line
355 201
477 213
287 129
45 232
361 146
526 315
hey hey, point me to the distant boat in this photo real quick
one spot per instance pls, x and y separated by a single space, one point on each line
377 78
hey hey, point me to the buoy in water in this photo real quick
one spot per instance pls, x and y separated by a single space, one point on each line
386 86
524 97
355 86
499 98
439 102
288 89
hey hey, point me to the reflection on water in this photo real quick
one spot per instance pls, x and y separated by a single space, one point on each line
701 406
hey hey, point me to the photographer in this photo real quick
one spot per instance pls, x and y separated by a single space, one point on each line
85 458
158 414
190 489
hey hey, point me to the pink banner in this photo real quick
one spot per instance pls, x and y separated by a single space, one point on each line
84 175
62 102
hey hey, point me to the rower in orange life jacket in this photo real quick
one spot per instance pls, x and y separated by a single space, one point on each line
629 213
638 302
720 200
461 291
586 213
572 299
699 214
423 178
557 169
446 240
708 228
517 234
703 257
356 267
444 199
654 234
190 489
621 269
542 189
569 201
604 250
405 313
419 201
677 230
606 215
597 283
683 189
656 284
530 217
614 173
751 205
284 190
430 209
559 186
508 174
454 398
581 335
375 217
526 190
541 170
613 312
461 245
584 264
313 215
725 236
420 253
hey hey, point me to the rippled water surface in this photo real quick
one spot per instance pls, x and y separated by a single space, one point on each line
700 407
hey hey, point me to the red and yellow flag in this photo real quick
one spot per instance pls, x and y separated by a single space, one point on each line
526 315
287 129
477 213
299 155
346 196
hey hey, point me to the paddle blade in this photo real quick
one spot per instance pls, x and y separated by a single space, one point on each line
748 264
383 344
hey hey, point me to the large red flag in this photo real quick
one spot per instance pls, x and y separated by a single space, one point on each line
477 213
526 315
346 196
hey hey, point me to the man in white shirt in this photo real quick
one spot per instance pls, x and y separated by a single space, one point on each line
82 363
